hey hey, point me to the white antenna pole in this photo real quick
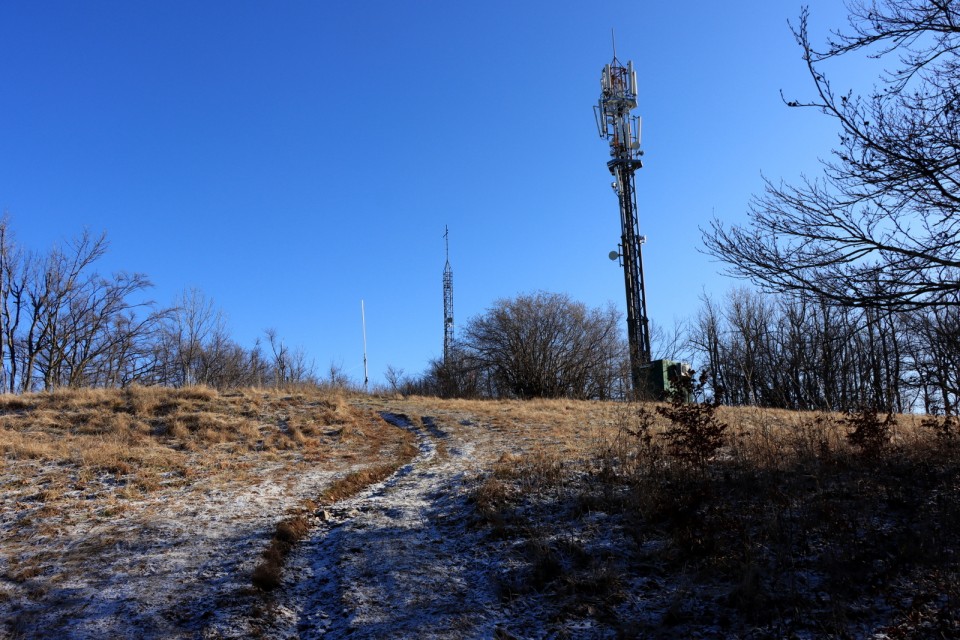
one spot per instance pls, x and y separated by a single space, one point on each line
363 320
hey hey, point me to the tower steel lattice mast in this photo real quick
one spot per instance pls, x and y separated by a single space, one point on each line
447 302
618 96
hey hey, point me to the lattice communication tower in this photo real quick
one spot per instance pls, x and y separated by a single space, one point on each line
618 96
447 303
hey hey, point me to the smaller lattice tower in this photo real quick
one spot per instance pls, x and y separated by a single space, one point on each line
447 302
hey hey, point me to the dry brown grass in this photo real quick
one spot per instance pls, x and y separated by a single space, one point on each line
288 533
112 431
355 481
268 573
788 501
140 433
567 428
63 448
785 501
80 470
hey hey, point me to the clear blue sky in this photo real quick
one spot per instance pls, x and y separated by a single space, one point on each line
292 158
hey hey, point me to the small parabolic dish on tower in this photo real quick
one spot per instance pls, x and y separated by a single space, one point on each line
614 255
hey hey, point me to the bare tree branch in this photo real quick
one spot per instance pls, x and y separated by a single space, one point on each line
881 227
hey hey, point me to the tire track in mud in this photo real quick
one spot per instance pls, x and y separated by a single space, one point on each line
396 561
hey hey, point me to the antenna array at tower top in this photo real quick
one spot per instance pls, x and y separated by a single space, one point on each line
618 96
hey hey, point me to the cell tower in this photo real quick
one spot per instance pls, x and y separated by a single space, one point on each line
447 303
618 96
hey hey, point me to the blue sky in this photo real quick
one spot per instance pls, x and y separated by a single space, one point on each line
292 158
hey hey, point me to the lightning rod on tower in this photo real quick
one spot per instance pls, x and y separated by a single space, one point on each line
618 97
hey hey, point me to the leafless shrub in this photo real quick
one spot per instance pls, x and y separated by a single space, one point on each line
268 574
814 437
491 499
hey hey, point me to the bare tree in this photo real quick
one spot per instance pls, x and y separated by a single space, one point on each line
98 317
55 283
194 322
130 358
64 324
13 283
302 369
281 357
546 345
881 227
394 376
336 377
669 343
934 354
454 376
801 353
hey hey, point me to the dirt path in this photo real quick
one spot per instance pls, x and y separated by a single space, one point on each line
399 560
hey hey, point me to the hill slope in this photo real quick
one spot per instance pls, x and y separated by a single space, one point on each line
147 512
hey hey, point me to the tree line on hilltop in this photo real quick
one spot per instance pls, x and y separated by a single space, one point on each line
865 258
64 324
771 350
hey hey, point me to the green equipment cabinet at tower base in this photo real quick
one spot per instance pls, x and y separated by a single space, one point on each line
661 378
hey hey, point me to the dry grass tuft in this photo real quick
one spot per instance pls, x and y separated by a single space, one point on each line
267 575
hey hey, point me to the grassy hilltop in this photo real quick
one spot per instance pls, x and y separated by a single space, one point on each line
587 509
